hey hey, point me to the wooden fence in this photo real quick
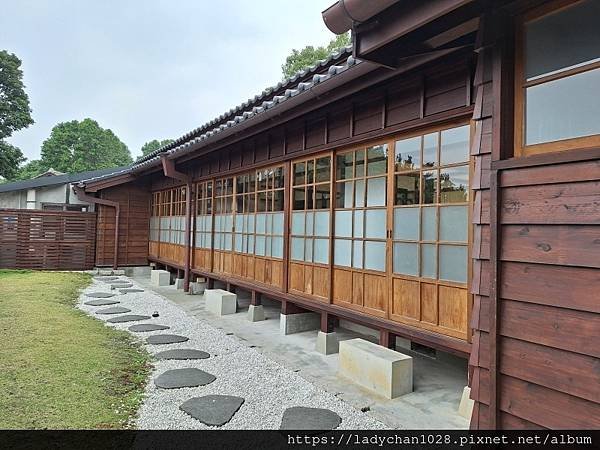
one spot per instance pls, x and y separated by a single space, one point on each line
34 239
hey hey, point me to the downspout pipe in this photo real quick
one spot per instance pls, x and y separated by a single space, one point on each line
81 195
169 171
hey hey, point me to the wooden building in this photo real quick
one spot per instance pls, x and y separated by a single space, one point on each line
438 181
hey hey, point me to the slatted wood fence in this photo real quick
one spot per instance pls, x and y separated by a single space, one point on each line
34 239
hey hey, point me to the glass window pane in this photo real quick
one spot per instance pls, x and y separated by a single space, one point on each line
250 223
342 252
228 243
563 109
407 189
251 244
239 222
229 222
321 251
430 187
453 263
428 261
277 247
238 242
278 200
375 223
430 147
406 224
343 195
406 258
359 218
408 154
429 228
245 243
310 172
261 223
278 223
308 250
269 224
454 185
455 145
260 246
572 35
323 169
360 163
453 223
357 254
299 198
344 166
377 160
309 223
261 201
321 223
359 193
376 194
251 203
268 246
375 255
322 196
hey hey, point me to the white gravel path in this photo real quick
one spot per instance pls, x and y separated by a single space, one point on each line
267 387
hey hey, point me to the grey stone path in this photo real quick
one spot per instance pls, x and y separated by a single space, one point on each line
302 418
127 318
101 302
145 327
213 410
113 310
100 294
180 378
182 354
161 339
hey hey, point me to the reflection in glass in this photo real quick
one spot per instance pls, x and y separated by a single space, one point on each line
299 198
377 160
310 172
323 169
277 200
343 194
322 196
454 185
408 154
299 173
455 145
359 194
407 189
344 166
429 187
360 163
430 147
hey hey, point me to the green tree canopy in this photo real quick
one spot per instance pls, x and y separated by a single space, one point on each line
15 113
30 170
154 144
309 55
79 146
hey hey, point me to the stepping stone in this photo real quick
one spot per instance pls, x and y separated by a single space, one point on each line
106 278
130 290
180 378
101 302
147 327
127 318
166 339
120 285
100 294
212 410
114 310
302 418
182 353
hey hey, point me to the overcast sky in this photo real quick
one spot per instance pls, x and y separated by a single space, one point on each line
151 69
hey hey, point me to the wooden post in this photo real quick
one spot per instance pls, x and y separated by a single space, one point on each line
327 322
387 339
291 308
210 283
256 299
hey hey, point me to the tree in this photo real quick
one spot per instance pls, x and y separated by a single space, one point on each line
309 55
155 144
79 146
15 113
30 170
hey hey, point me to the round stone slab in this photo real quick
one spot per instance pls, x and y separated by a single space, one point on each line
106 278
100 294
101 302
182 353
127 318
130 290
114 310
212 410
120 285
302 418
166 339
180 378
147 327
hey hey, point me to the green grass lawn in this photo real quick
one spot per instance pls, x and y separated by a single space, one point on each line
60 368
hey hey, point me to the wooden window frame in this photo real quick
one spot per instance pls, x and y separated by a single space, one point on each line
520 86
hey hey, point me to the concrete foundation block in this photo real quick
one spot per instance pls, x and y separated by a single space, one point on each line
197 288
178 283
220 302
256 313
296 323
465 408
376 368
160 278
327 343
138 271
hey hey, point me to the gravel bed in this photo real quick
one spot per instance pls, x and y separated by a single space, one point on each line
267 387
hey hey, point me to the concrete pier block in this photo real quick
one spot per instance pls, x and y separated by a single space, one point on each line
256 313
160 278
376 368
296 323
105 272
327 343
118 272
465 408
138 271
178 283
220 302
197 288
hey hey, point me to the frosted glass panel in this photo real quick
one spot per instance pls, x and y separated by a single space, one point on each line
322 223
260 246
428 261
277 247
260 223
310 217
359 223
239 223
343 223
406 224
297 249
298 223
406 258
278 223
453 223
245 243
453 263
359 197
357 254
218 223
342 252
321 251
376 191
269 224
229 222
251 244
250 223
268 246
228 243
375 255
308 250
375 224
238 242
429 228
